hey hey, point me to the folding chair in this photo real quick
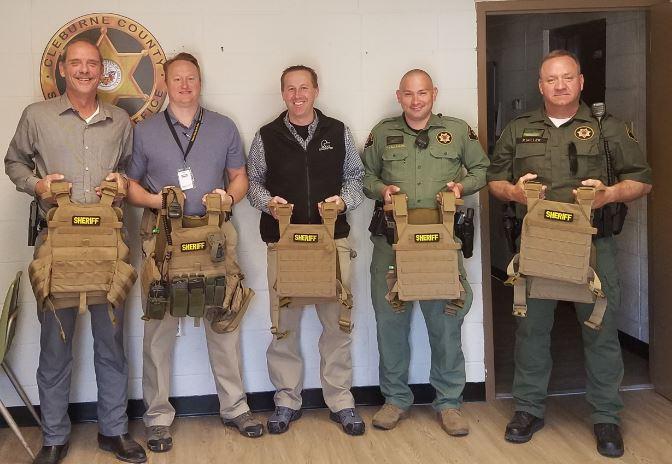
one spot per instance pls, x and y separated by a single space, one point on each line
10 310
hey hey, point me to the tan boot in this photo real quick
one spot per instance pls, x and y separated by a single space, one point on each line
453 422
388 416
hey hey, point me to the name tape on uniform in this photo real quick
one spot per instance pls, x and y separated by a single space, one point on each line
85 220
425 238
192 246
306 238
558 215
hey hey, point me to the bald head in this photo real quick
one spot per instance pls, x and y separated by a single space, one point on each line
418 74
416 96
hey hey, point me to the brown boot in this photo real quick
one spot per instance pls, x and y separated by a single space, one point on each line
388 416
247 425
453 422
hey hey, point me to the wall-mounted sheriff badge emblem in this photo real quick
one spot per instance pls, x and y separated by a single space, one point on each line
132 77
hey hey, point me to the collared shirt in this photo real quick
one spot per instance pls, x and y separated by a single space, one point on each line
157 158
453 153
53 138
351 188
532 144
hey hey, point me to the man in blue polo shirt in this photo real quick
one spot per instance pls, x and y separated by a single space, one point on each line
201 152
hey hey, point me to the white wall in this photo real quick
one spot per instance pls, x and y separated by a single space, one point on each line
360 48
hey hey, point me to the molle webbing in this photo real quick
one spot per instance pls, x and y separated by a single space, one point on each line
556 253
426 254
194 262
307 264
83 260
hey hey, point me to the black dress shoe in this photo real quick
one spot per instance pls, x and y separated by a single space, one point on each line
51 454
124 448
522 426
609 440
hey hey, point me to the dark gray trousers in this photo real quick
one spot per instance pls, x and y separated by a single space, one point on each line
54 372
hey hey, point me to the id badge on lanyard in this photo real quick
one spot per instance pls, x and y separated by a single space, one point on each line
185 176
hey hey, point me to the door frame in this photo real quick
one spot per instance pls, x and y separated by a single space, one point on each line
507 7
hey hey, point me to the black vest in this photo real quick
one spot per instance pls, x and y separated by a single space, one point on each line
303 178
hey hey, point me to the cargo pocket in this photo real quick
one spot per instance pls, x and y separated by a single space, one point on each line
589 161
446 165
235 305
122 282
394 166
529 158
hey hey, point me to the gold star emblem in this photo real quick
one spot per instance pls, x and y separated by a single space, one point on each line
117 80
584 133
444 137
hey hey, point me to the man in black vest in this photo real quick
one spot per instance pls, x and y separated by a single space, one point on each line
304 157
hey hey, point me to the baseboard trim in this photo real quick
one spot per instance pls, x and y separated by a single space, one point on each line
208 405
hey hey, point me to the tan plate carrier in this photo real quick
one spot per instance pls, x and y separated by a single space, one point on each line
308 265
197 247
556 254
426 254
83 260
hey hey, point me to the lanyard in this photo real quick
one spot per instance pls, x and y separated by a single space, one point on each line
192 139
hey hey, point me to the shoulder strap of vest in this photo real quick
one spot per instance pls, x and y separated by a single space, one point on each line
214 206
60 190
584 198
448 203
108 190
284 214
399 208
329 214
532 192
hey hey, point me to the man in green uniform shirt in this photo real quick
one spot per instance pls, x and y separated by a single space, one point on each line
560 145
419 154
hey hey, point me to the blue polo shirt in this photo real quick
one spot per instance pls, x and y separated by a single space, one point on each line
157 158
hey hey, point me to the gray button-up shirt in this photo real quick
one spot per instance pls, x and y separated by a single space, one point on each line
52 138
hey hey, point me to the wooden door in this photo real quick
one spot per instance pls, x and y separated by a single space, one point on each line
659 115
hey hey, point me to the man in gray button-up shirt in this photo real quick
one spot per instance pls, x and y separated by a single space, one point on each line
80 139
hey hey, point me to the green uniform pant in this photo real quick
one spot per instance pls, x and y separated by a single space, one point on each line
601 349
447 374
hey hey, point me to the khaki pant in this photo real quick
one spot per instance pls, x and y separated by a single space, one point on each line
157 353
285 364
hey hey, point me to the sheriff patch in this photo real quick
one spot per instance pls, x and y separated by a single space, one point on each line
369 140
427 238
558 216
306 238
444 137
584 133
192 246
85 220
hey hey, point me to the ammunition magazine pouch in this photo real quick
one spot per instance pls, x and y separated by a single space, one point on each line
426 254
556 254
308 265
83 260
190 266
